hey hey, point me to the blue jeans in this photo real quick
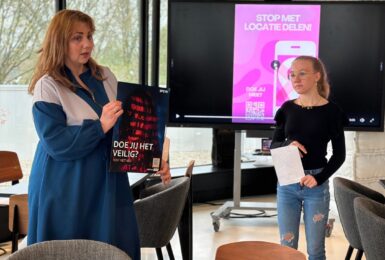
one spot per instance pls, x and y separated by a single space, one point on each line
315 203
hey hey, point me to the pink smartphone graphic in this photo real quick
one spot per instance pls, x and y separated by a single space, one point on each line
285 53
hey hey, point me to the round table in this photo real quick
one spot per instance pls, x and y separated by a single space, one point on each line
257 250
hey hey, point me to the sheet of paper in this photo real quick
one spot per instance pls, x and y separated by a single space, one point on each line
287 164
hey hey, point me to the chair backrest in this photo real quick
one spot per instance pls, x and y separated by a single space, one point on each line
370 217
77 249
185 229
345 191
159 213
10 169
189 170
18 211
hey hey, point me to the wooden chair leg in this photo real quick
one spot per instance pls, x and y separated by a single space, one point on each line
15 240
349 253
159 253
359 254
15 229
169 251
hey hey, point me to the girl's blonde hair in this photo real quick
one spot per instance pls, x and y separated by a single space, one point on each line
323 86
55 47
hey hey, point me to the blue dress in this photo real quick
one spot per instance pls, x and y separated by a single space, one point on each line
72 194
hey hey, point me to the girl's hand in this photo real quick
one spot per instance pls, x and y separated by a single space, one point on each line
301 148
308 181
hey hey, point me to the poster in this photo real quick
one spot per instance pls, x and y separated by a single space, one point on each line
267 38
138 135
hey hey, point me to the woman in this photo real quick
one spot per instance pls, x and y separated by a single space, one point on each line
72 194
309 123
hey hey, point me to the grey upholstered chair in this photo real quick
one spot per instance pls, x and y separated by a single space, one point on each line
70 250
345 191
186 223
158 213
370 217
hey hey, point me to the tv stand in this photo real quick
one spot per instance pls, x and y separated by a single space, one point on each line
225 210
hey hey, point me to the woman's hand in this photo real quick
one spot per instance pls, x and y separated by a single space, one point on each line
164 172
301 148
110 114
309 181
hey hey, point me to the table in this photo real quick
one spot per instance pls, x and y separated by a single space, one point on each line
257 250
19 188
22 187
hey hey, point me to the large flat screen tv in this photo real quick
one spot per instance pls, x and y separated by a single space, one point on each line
228 60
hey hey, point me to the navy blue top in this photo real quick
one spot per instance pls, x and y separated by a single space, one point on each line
313 127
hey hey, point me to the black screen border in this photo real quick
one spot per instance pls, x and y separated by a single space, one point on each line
259 126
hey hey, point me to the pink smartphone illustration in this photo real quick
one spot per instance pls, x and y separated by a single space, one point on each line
285 53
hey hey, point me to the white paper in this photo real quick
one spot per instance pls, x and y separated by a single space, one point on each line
287 164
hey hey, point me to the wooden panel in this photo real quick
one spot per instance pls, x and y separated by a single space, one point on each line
22 203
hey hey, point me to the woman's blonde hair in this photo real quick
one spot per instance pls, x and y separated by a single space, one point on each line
323 86
55 47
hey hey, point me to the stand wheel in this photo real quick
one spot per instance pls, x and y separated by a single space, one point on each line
226 214
216 226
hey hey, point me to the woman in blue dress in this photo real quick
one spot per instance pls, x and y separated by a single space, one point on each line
72 194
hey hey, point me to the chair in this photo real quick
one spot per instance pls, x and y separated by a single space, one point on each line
257 250
185 225
158 213
76 249
10 169
370 217
345 191
18 218
5 234
189 170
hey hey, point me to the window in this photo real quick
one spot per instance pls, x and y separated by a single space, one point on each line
116 46
189 144
116 36
186 143
22 29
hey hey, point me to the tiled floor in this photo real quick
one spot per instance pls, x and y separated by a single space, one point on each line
206 240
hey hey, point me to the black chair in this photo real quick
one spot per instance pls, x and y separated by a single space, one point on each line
76 249
370 217
345 191
158 213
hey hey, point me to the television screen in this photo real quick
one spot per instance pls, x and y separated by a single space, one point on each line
228 61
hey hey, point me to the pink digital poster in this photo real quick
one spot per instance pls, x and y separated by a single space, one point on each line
267 38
